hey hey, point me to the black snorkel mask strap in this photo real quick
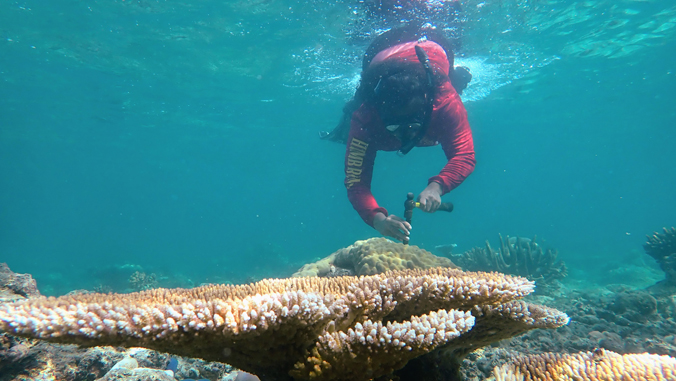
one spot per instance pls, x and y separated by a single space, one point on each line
424 59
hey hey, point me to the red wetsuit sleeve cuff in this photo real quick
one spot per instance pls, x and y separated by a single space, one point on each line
445 188
371 214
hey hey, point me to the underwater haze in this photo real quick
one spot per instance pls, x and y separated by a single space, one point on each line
181 138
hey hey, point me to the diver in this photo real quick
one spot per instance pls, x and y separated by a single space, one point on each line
408 97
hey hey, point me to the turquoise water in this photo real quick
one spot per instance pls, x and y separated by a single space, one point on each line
180 138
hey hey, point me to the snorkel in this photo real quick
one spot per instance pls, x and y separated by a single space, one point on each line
424 59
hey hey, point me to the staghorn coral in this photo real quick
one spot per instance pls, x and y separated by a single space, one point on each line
305 328
374 256
662 247
599 365
516 256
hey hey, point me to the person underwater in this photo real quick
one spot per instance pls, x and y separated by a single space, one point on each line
406 98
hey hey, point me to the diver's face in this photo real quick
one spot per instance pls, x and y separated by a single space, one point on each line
406 132
404 120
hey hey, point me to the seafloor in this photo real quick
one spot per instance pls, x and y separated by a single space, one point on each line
618 318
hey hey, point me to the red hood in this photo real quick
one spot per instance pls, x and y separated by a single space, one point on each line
406 52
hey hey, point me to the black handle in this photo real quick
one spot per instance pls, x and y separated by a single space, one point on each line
409 205
446 207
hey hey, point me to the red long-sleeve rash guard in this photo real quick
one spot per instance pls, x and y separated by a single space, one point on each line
448 127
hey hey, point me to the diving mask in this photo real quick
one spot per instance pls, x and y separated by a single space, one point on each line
408 126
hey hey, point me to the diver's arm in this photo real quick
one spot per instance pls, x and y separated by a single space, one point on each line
457 144
359 160
360 155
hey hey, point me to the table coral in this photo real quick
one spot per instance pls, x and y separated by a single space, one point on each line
599 365
492 323
374 256
302 328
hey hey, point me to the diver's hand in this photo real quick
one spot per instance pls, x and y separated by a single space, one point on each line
392 226
430 198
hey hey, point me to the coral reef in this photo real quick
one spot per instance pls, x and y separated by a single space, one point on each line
45 361
617 318
516 256
140 281
493 323
373 256
16 286
305 328
128 368
622 320
113 277
23 359
479 364
662 247
102 289
599 365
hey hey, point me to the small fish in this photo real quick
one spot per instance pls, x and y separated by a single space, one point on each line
173 365
447 249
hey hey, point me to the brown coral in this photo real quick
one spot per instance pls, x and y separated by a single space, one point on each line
374 256
15 286
516 256
600 365
662 247
310 328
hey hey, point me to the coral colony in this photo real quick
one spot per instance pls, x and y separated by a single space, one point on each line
305 328
406 315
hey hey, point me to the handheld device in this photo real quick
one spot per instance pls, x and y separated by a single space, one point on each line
411 204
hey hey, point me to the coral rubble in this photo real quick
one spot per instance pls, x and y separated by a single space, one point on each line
373 256
302 328
599 365
516 256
